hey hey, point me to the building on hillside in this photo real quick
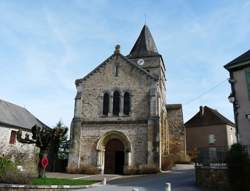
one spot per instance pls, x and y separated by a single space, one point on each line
120 116
209 130
239 70
13 118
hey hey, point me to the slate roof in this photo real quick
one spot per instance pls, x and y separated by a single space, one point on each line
244 58
18 117
144 45
209 117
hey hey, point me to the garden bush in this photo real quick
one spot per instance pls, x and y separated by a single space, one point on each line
238 164
10 174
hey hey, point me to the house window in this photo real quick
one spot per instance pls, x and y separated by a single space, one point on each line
126 108
105 104
13 137
116 103
211 139
248 82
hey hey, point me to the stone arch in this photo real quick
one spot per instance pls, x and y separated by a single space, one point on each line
105 139
100 146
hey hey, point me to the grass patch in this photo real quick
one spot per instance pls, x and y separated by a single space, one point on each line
61 181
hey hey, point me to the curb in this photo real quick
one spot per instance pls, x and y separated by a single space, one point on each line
49 187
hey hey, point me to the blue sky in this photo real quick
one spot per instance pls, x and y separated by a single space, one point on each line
46 45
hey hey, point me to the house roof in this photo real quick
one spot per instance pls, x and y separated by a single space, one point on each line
207 116
144 45
240 61
16 116
110 58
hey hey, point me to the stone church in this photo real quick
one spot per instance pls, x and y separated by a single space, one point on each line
120 117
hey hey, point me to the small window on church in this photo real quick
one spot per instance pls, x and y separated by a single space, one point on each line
116 69
116 103
12 137
126 108
105 104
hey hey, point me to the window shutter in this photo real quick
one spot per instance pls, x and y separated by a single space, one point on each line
248 82
12 137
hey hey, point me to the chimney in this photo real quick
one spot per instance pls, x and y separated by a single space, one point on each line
201 110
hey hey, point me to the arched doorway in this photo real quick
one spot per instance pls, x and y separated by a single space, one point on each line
114 157
113 152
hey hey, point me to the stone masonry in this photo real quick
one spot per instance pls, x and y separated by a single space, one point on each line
133 86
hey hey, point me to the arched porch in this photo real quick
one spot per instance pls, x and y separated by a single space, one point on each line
118 148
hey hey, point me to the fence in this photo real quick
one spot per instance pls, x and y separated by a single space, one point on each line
211 156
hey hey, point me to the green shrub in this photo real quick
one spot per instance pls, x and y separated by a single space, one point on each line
10 174
238 164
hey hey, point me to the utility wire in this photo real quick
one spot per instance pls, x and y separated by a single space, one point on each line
204 93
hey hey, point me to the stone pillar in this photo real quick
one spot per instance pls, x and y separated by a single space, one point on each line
121 104
99 159
110 104
129 158
150 158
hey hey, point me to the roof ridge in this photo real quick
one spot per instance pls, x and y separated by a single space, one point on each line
109 58
8 102
244 57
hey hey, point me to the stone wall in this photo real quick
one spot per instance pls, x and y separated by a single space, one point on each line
212 177
19 152
136 133
103 80
176 128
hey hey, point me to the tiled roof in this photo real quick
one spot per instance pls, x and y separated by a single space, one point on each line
207 116
16 116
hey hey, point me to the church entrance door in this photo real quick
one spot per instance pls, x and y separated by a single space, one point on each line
114 157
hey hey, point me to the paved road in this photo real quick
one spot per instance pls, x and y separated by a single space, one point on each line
181 179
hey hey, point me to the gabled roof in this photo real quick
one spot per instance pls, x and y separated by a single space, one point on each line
207 116
18 117
144 45
110 58
240 61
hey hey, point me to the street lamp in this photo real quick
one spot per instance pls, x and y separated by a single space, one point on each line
231 98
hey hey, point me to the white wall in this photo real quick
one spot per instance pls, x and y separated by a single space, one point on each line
15 150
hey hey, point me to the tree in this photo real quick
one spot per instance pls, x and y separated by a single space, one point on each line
238 164
43 137
58 148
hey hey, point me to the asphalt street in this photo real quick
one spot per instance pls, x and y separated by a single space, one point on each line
181 178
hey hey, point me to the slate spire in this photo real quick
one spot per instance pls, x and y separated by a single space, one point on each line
144 45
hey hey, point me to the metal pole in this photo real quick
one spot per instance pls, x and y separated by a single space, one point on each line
168 187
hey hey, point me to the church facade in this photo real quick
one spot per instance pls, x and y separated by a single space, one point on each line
120 116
